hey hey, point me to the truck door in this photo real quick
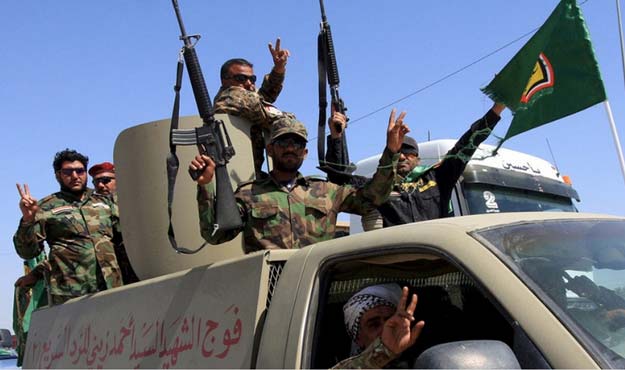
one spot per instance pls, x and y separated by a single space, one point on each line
465 293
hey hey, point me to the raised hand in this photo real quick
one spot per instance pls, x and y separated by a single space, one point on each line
397 335
206 164
335 121
27 280
396 131
280 56
28 204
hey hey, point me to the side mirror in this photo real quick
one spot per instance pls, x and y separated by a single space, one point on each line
6 339
469 354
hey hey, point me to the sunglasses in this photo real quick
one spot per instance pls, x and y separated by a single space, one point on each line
286 142
104 180
242 78
70 171
409 154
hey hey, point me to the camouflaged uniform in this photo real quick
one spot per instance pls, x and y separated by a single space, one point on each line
79 234
256 107
375 356
276 217
128 273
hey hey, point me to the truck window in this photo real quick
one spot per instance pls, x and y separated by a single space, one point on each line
485 198
452 305
578 269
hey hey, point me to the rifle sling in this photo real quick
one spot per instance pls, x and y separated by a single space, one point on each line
177 137
323 101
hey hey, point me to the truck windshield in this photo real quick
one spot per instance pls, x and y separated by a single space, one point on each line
577 267
485 198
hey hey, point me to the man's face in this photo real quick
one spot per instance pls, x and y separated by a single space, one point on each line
72 176
372 323
407 161
105 183
240 75
288 152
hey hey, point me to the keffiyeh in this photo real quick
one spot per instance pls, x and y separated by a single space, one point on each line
366 299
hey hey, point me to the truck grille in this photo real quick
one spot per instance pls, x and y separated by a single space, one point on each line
275 269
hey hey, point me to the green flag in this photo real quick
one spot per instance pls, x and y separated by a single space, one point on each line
555 74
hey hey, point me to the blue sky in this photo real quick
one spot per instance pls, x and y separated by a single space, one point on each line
77 73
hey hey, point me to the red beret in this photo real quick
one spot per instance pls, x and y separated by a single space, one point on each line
101 167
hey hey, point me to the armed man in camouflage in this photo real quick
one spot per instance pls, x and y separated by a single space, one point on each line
77 225
238 96
286 209
380 323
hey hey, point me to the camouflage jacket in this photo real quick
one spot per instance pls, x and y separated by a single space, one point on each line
376 356
276 217
79 234
255 106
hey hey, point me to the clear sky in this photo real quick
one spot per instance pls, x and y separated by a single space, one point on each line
76 73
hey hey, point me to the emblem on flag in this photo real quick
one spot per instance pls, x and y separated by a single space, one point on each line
542 78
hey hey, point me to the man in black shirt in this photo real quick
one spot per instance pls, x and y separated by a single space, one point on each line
422 193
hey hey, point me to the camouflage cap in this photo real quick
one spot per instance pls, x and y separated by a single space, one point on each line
287 125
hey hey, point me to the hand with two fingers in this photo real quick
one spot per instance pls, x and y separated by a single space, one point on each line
280 56
398 333
28 204
396 131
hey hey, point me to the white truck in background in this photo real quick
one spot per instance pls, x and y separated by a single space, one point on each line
509 181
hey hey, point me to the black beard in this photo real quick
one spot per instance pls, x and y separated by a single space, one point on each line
75 192
283 166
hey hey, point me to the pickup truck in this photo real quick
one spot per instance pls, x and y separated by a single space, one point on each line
548 287
534 290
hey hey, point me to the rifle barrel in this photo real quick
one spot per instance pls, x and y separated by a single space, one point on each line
323 12
183 32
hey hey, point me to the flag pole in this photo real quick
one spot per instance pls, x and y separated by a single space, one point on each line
617 143
620 30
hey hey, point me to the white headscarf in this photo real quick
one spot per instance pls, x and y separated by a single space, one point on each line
366 299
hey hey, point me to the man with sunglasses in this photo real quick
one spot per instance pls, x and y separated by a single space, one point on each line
103 178
79 227
286 209
423 193
238 96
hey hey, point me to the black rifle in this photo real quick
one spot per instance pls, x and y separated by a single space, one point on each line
328 68
584 287
209 138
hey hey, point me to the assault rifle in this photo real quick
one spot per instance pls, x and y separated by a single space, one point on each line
209 138
328 68
584 287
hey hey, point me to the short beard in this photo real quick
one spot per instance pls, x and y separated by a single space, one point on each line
75 192
402 172
283 167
